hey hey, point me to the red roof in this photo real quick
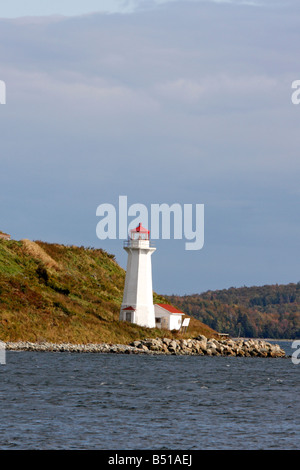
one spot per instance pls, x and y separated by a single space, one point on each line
140 229
128 308
170 308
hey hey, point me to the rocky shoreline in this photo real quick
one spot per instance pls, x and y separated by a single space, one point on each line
200 346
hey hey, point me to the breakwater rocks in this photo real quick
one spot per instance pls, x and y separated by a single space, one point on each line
197 346
212 347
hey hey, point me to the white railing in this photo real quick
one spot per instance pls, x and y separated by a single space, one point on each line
138 244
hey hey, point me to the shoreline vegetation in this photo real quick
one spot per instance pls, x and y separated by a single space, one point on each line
200 346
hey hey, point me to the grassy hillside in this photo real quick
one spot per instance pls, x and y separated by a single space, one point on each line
51 292
270 311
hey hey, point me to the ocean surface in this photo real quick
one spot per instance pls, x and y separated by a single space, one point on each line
135 402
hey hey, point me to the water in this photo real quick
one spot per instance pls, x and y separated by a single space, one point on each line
107 401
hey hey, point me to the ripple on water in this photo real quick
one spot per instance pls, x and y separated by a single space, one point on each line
94 401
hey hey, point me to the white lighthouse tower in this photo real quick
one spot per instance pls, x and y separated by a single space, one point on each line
137 306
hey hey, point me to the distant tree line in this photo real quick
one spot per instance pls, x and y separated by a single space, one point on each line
267 311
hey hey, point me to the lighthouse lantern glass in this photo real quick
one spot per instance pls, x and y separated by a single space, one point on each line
139 233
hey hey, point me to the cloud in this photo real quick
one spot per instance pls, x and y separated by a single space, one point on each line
217 88
187 102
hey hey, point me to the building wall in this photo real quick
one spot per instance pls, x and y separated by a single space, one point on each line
138 291
173 320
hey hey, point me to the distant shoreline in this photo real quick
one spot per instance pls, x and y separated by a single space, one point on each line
263 339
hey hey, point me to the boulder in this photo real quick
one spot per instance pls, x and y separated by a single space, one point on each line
166 341
173 346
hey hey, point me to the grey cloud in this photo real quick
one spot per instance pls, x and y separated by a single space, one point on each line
189 102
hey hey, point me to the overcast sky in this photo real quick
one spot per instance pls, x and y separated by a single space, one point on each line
186 102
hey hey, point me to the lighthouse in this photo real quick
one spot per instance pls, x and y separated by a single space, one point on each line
137 306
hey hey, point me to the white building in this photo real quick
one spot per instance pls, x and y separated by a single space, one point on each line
168 317
137 306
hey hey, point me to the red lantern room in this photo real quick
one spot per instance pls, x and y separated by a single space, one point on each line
140 233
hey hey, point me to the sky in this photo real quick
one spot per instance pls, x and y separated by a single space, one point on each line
19 8
164 102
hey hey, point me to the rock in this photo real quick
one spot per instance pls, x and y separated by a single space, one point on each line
154 344
183 343
203 345
240 352
197 347
173 346
164 347
211 345
167 341
201 338
231 352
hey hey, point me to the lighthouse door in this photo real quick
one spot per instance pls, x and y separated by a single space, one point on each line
128 316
